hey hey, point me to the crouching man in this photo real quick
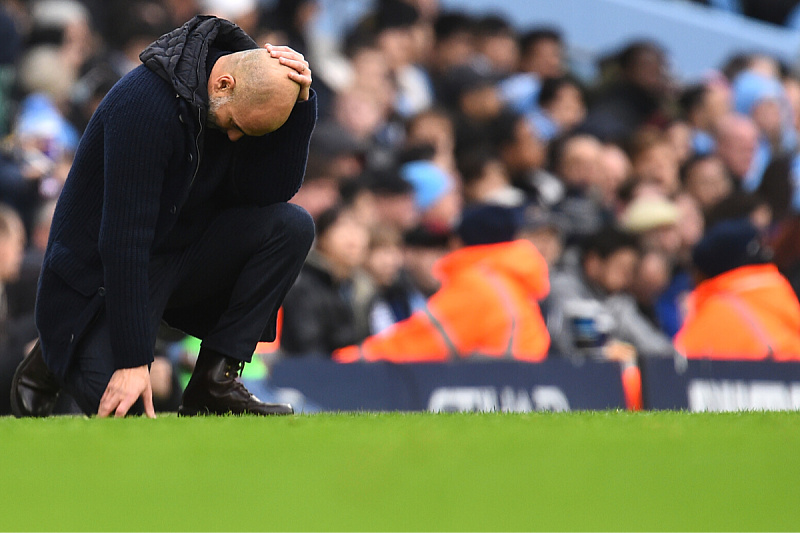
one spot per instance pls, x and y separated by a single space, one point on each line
175 209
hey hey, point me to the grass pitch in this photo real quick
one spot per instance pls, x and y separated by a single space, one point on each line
333 472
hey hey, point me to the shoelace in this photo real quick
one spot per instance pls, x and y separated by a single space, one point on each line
234 368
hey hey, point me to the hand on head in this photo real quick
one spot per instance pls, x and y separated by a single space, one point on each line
300 73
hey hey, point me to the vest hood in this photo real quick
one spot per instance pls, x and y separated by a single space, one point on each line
179 56
518 259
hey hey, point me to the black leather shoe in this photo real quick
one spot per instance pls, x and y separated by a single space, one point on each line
34 389
214 390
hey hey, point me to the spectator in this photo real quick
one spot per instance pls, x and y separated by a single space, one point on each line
473 96
576 160
393 22
591 312
742 308
384 294
561 107
422 248
762 99
655 162
320 189
395 199
318 314
497 44
524 155
705 179
435 194
487 304
16 330
542 53
434 127
454 44
485 180
22 291
615 170
703 106
737 142
636 99
545 230
651 280
541 58
654 219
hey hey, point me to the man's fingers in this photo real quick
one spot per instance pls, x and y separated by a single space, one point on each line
107 405
105 408
125 405
283 51
147 396
299 66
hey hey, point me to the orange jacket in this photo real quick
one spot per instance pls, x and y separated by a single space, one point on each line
749 312
487 305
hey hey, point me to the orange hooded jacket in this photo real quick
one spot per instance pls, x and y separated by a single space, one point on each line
487 305
749 312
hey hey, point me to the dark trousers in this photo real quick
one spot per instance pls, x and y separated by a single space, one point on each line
244 265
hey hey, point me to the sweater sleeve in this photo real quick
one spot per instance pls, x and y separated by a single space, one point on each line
270 169
137 152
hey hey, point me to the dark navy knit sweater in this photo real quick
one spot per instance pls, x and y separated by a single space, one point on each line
143 152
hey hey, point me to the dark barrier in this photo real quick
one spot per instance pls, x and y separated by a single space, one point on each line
556 384
704 385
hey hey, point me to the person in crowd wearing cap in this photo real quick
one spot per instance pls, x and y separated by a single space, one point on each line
742 307
176 208
319 314
435 195
761 97
487 305
591 312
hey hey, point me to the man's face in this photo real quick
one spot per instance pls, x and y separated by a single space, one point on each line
738 147
545 59
615 273
226 114
708 182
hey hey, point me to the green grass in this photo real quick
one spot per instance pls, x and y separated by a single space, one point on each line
572 471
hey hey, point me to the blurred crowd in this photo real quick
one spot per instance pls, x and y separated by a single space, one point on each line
427 115
780 12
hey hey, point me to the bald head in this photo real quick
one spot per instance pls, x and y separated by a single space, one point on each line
737 139
250 93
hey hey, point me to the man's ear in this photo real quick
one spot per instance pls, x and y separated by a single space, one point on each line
223 85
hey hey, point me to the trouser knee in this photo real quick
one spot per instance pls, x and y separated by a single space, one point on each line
297 225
